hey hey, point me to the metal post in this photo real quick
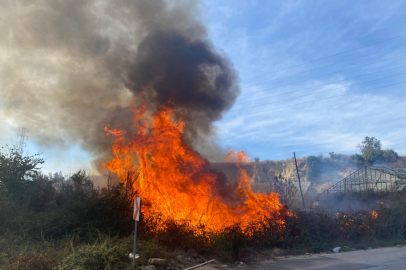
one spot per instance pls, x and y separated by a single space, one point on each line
300 186
135 242
136 218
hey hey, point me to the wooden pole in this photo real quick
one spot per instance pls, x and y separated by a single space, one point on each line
300 186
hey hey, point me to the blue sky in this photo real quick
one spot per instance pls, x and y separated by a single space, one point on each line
269 37
362 91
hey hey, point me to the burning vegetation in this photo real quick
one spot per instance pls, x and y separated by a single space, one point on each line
177 184
148 71
181 86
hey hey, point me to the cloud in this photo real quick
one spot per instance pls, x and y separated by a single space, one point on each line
261 44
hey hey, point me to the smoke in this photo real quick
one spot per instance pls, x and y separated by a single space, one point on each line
68 68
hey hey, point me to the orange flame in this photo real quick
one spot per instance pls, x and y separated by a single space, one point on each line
176 183
374 214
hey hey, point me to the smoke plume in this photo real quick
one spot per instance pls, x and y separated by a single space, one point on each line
68 68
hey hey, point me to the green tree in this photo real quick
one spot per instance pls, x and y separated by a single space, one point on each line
369 143
371 149
17 171
371 155
390 155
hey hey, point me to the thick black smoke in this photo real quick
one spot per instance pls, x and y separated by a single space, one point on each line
189 74
68 68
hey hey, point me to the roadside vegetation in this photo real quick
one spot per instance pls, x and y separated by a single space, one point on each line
47 222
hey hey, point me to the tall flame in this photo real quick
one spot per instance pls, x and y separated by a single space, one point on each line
176 183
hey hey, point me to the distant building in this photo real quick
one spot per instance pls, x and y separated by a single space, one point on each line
361 189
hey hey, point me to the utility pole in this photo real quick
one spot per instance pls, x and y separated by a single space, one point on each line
22 133
300 186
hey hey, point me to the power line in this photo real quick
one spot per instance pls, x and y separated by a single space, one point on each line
311 93
321 67
325 98
321 84
325 57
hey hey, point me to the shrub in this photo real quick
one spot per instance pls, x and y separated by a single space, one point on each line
30 262
16 171
389 155
105 253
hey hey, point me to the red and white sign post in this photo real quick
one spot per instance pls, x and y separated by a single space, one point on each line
137 207
136 217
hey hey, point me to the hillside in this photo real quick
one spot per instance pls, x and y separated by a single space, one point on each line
326 170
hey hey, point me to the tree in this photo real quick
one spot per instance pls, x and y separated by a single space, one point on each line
358 159
17 171
78 188
390 155
371 149
42 193
335 156
288 192
371 155
256 159
369 143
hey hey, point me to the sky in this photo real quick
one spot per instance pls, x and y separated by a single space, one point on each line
316 77
275 47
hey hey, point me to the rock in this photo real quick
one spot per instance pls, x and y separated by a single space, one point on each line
336 249
131 256
157 261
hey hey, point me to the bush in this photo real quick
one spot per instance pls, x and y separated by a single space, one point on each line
16 172
335 156
31 261
105 253
69 226
389 155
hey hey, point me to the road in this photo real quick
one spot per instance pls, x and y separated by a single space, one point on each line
393 258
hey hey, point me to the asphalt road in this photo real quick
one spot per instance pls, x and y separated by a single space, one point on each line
393 258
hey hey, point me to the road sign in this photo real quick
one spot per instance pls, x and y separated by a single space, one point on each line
137 206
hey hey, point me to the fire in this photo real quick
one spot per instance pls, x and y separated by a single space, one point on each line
374 214
176 183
